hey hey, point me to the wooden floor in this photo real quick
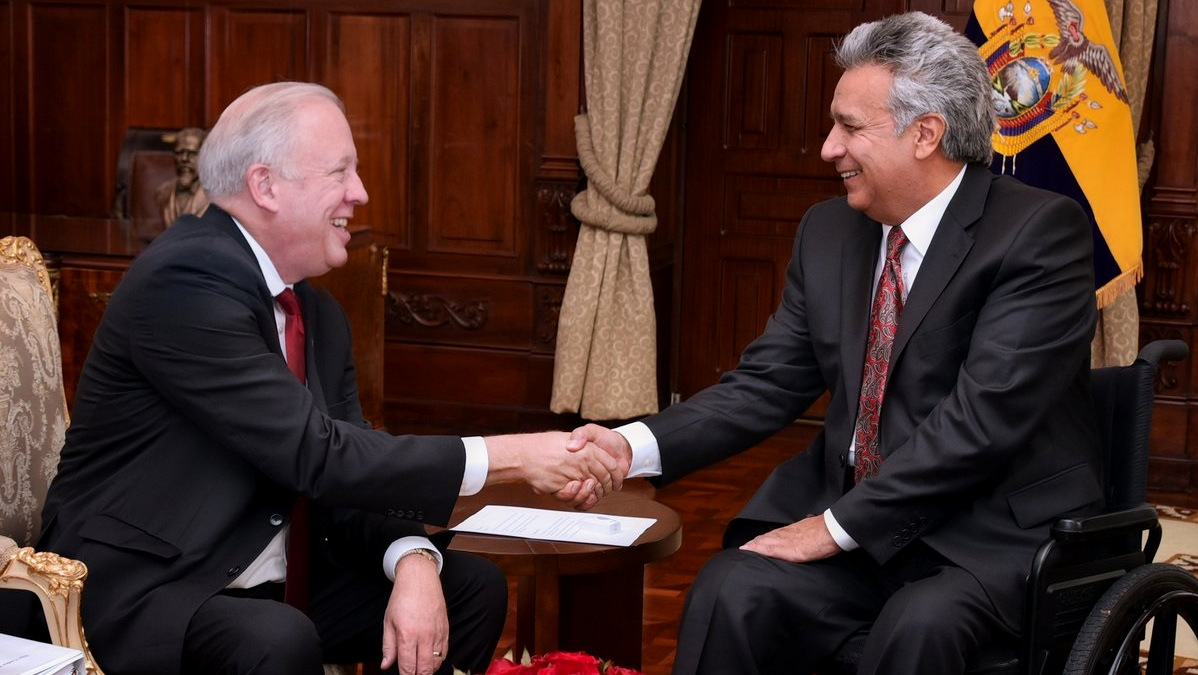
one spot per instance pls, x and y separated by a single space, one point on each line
706 500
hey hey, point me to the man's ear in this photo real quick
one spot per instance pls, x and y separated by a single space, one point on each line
260 182
929 129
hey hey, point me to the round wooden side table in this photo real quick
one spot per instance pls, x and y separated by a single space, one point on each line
576 597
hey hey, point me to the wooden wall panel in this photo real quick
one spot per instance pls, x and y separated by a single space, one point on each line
378 111
1169 292
488 390
754 98
475 135
7 110
563 87
251 46
820 75
1176 183
85 285
69 119
747 295
163 67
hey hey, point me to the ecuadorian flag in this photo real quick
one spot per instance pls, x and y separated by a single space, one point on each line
1063 119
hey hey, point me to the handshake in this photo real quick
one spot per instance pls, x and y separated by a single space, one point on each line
578 468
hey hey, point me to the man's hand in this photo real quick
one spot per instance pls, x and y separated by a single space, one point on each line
611 442
579 478
803 541
416 625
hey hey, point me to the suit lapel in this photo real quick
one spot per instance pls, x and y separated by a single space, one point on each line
307 297
948 249
858 260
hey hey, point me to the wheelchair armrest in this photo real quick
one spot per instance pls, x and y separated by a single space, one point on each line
1138 519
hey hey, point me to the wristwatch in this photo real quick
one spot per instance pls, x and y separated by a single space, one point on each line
422 552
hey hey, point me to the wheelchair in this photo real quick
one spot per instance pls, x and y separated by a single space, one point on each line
1093 589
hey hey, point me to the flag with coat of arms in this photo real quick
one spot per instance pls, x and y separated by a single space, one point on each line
1064 123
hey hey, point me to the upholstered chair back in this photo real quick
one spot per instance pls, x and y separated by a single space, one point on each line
33 409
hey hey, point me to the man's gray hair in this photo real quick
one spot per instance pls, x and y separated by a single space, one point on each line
257 127
936 70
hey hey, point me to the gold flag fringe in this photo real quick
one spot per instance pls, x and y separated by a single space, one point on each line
1119 285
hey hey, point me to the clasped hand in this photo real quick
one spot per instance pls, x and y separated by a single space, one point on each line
577 473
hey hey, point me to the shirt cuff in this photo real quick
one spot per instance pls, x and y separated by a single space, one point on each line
646 457
843 540
400 547
474 478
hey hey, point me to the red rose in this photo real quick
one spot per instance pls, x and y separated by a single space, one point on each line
570 663
555 663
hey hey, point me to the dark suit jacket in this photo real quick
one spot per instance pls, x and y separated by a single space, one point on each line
986 430
190 440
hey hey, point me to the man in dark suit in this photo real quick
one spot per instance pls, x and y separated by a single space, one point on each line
915 524
198 421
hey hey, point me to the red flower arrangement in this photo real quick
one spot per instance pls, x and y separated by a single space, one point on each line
556 663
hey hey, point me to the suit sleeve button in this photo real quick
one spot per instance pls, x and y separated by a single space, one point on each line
276 519
234 570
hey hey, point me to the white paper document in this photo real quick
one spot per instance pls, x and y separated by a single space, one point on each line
19 656
572 526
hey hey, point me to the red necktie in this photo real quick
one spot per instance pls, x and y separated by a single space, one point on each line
293 333
296 590
883 323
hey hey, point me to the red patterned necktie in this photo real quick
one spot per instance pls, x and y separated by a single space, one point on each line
295 592
883 323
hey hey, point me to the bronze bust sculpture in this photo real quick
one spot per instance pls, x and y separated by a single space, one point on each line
183 194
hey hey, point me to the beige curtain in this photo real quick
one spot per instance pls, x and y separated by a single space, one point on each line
1133 25
635 57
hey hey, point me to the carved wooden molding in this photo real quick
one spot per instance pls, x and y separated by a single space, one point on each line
62 575
1167 257
101 298
430 310
557 228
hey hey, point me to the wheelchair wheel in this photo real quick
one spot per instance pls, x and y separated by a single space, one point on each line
1109 641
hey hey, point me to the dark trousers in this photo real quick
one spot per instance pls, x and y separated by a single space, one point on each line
235 633
753 615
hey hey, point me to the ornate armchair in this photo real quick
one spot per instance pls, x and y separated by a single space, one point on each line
33 423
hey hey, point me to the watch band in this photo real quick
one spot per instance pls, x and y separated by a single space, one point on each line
422 552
